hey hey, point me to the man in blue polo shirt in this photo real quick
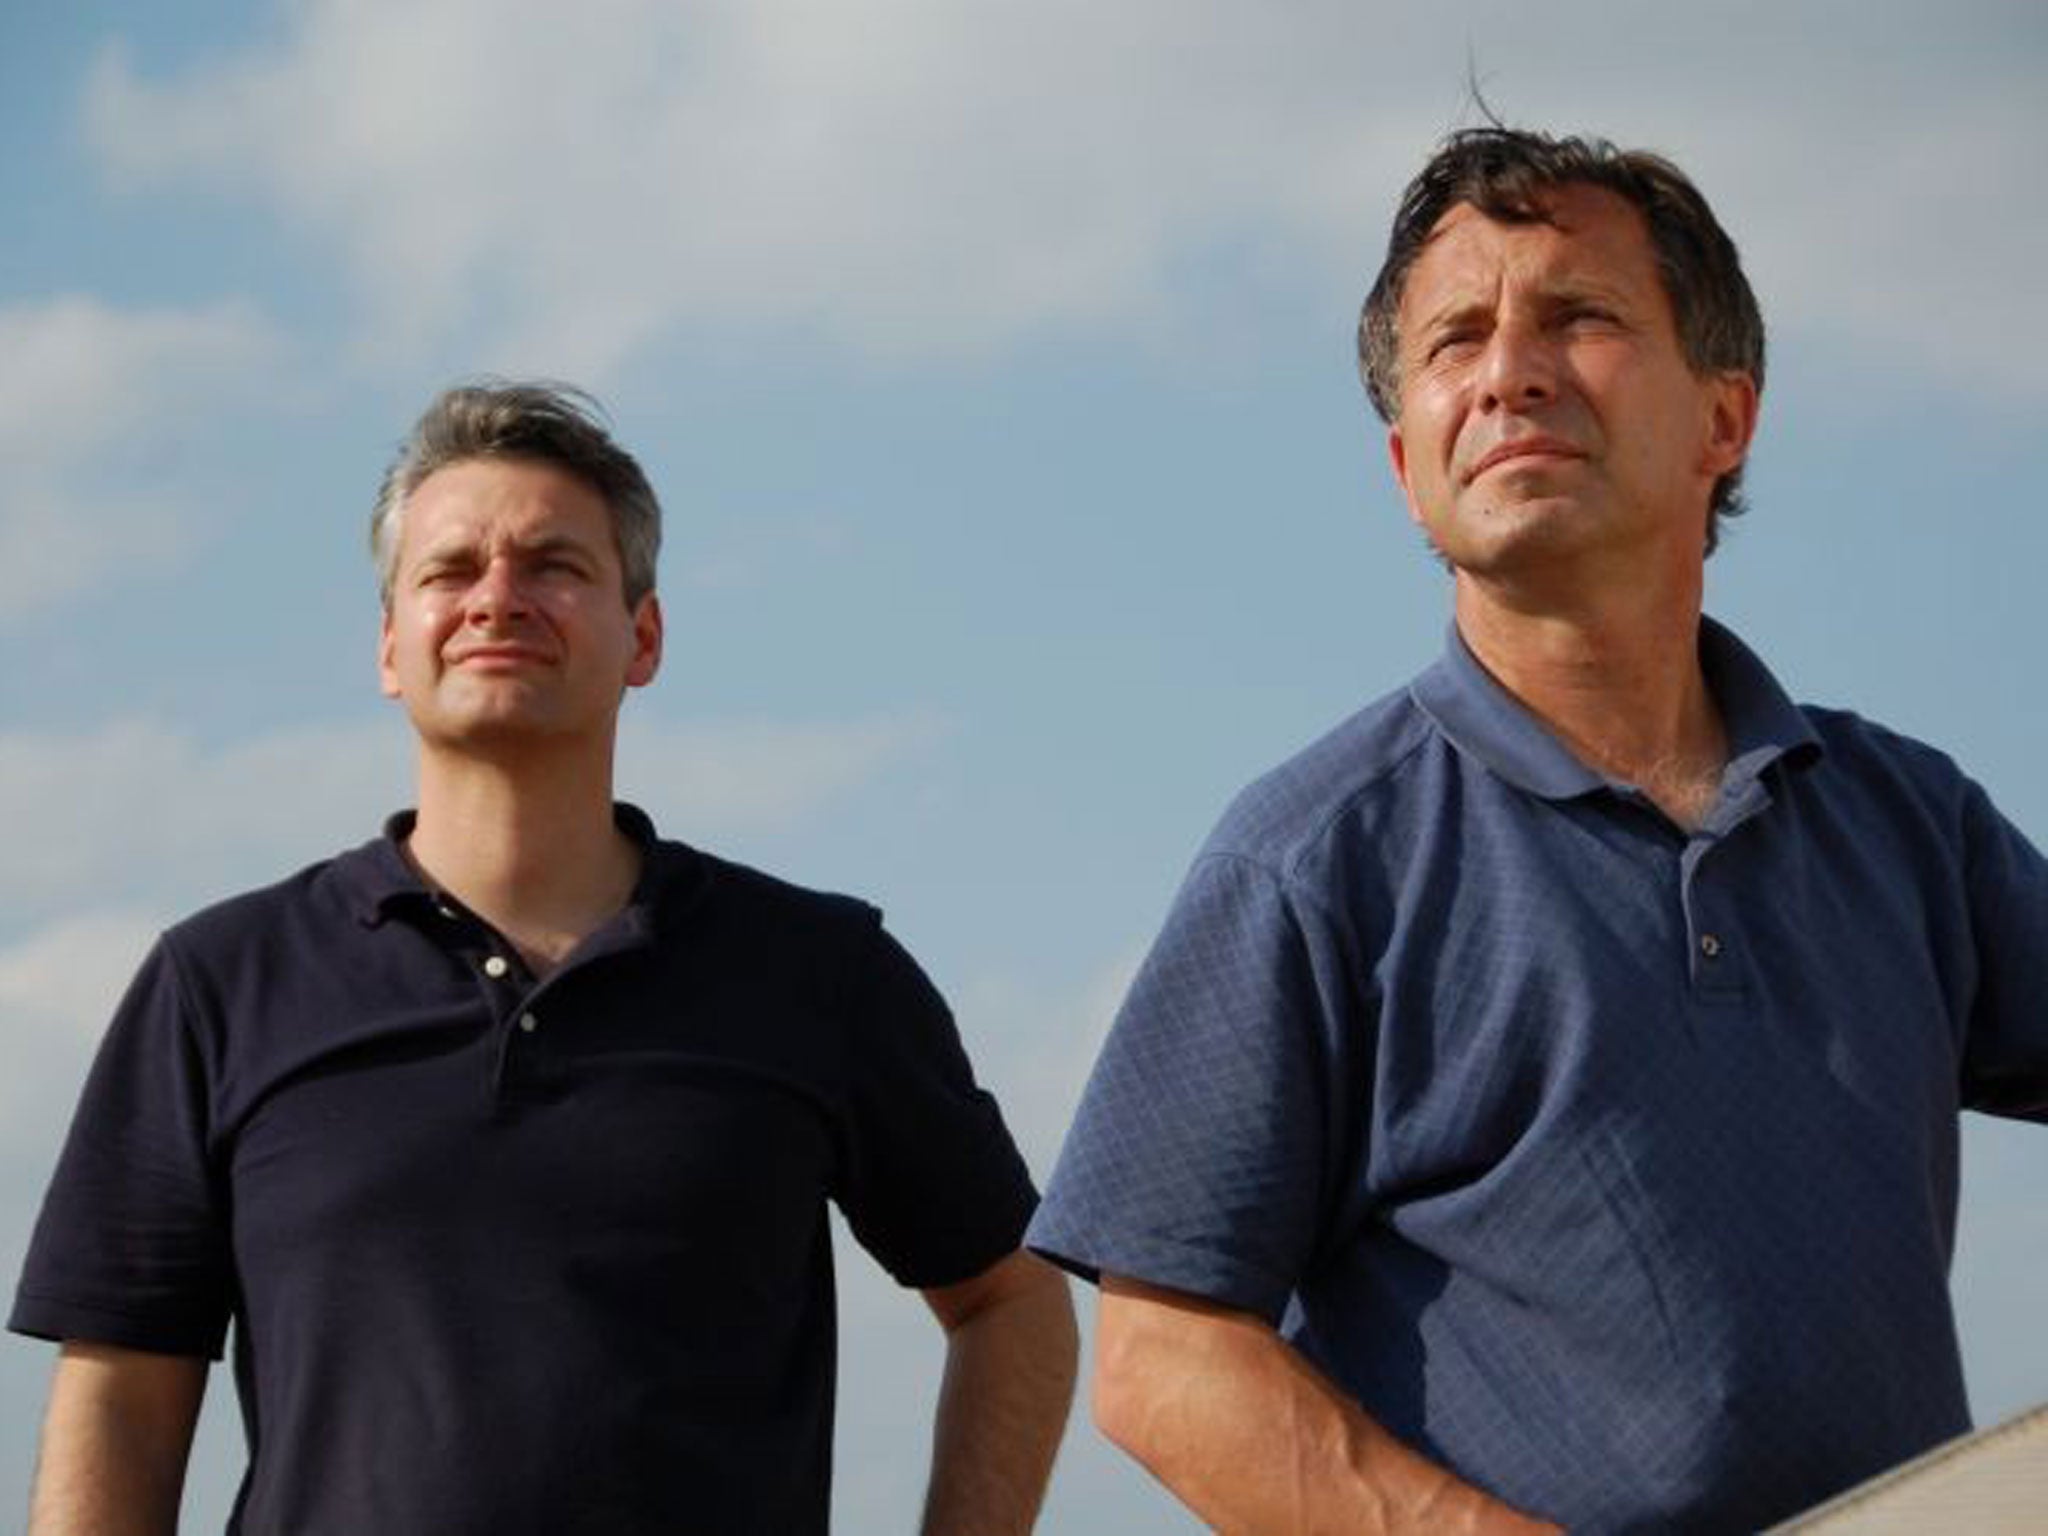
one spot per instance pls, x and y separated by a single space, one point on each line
505 1140
1540 1109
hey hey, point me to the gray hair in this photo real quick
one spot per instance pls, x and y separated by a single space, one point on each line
543 422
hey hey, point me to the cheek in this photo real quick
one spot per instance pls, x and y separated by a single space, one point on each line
420 630
1432 423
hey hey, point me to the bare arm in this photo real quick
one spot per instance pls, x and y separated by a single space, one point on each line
1250 1437
115 1440
1010 1346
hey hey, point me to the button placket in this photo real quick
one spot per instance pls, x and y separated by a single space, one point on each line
511 995
1712 961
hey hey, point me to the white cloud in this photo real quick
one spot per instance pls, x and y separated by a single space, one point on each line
718 778
72 971
147 811
56 542
906 176
94 402
58 985
924 176
77 373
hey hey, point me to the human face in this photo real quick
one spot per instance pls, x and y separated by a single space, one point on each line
508 619
1547 411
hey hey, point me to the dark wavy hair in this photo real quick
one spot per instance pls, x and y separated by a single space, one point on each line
1507 175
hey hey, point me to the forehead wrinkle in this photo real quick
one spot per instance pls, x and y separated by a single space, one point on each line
506 511
1571 264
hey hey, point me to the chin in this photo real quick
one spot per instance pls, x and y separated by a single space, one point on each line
1497 539
469 729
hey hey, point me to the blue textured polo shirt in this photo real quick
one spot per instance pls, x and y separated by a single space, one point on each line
519 1256
1611 1165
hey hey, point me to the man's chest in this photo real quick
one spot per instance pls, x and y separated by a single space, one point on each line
659 1144
1576 967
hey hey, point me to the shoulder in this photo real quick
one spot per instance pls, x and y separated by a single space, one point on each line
1862 756
1892 791
208 974
1864 742
746 921
319 904
1361 774
695 879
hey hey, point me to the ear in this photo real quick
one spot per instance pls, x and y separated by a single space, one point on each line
647 629
1732 405
1397 454
387 666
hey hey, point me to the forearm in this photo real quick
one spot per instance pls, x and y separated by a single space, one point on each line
1253 1439
115 1441
1003 1405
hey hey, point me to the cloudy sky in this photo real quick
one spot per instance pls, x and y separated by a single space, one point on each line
993 360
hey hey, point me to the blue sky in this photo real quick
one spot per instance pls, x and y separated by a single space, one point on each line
994 364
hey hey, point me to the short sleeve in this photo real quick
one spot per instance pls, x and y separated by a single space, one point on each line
131 1247
2005 1060
1200 1156
931 1182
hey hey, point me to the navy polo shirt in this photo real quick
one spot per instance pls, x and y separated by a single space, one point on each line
507 1255
1613 1166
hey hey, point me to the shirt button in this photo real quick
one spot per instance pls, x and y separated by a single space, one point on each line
496 966
528 1022
1710 945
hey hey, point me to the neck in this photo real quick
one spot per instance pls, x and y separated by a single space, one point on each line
1617 681
530 847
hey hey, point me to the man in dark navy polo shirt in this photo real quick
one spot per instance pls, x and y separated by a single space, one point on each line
505 1140
1540 1109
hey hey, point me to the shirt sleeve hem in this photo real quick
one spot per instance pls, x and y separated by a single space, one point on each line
994 1237
59 1321
1166 1263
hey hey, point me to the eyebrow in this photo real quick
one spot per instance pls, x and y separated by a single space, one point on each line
554 544
1454 313
461 546
1567 289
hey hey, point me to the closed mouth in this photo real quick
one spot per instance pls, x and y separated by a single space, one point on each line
497 655
1522 448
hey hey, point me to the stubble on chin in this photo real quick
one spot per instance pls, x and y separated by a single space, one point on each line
1500 539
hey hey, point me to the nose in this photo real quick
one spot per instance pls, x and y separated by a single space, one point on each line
497 596
1518 369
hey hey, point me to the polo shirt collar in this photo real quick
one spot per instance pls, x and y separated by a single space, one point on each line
1764 725
375 876
1485 721
380 882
